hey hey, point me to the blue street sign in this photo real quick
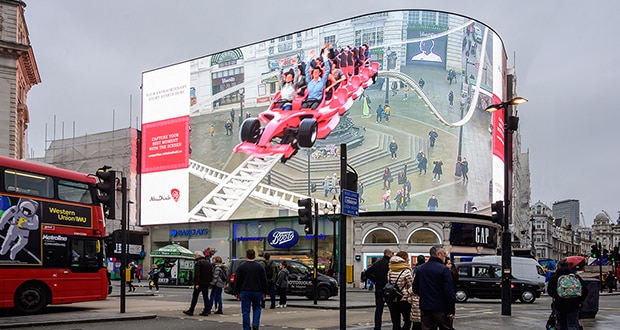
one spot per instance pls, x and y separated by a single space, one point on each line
350 204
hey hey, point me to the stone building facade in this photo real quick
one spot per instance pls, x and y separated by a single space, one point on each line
18 73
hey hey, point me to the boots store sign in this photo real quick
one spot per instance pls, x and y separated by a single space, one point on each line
283 238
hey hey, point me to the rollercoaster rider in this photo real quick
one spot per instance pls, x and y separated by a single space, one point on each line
316 79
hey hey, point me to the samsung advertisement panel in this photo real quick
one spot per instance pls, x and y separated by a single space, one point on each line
246 132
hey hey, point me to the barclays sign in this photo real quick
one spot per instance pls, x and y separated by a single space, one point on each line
282 238
188 232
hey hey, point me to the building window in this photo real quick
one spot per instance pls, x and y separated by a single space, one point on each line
329 39
424 236
380 236
371 36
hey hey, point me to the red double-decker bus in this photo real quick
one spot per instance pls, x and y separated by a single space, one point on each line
51 237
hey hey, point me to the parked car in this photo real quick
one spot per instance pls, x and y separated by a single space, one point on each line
299 281
483 281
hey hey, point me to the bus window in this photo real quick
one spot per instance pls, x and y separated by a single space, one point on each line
28 184
85 255
77 192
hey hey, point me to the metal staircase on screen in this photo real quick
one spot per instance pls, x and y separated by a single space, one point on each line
233 188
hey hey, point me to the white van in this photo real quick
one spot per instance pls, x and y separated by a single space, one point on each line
522 268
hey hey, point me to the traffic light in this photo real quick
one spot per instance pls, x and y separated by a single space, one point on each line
605 254
305 212
615 254
497 212
308 228
594 251
107 190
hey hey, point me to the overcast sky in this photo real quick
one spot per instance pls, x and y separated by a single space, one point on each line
91 55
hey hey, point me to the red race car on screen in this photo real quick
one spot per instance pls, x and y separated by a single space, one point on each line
285 131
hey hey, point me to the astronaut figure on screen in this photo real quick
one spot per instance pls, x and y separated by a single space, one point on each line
22 218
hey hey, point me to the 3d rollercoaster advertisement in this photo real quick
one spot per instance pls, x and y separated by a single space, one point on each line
246 132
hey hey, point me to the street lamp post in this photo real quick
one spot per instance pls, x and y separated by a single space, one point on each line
335 241
511 123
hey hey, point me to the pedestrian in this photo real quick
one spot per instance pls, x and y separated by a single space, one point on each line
271 271
400 274
211 131
220 277
360 192
451 98
421 83
203 274
406 93
393 146
453 271
379 113
422 162
400 200
432 136
387 178
154 278
407 191
387 112
229 127
378 273
465 169
335 184
363 280
247 115
437 170
326 188
387 205
563 288
433 283
433 203
394 88
129 278
251 288
420 261
282 284
232 115
609 281
135 271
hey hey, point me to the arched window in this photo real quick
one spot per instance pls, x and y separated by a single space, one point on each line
380 236
227 58
424 236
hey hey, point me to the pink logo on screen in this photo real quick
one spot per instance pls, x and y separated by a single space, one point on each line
175 194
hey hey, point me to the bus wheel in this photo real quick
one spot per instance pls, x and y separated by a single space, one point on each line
31 298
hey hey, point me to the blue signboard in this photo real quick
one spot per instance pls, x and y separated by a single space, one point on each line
350 203
282 238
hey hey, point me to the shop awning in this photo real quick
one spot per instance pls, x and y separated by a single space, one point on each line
173 250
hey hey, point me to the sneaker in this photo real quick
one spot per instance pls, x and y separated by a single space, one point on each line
188 312
205 313
283 306
278 306
149 291
157 291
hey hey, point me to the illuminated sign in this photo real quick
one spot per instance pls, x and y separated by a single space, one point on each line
188 232
282 238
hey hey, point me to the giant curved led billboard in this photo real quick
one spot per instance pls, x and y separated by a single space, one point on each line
221 140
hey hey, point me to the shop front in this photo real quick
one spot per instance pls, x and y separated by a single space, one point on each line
284 238
462 235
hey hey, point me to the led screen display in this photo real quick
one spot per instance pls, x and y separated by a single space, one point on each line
219 144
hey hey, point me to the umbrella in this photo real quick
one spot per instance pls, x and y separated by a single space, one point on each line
576 262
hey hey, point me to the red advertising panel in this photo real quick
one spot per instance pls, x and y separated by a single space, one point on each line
165 145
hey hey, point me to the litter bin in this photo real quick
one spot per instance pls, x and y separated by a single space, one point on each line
590 304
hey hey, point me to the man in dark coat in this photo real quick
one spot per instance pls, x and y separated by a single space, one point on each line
203 274
251 288
434 284
567 308
378 274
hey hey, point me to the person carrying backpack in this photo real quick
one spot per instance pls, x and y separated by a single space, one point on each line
271 271
398 302
220 277
568 291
